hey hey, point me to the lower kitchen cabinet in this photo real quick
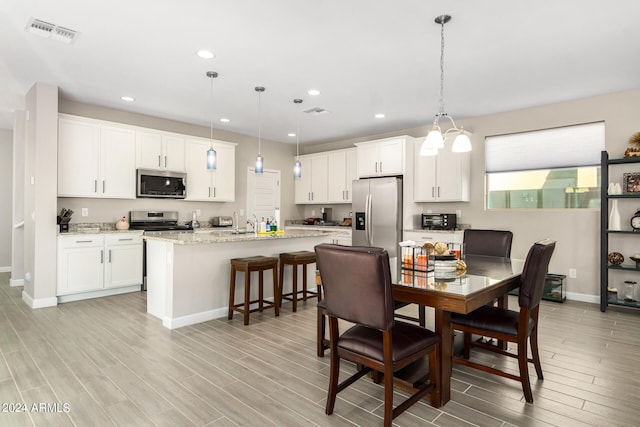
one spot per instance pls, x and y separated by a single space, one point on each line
94 262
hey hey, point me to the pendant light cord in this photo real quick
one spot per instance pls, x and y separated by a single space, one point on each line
211 118
442 113
298 131
259 122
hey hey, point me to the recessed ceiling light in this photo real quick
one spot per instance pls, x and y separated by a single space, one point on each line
291 134
205 54
313 92
380 116
223 120
127 98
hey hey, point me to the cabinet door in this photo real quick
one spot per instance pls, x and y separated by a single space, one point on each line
453 176
173 153
391 157
117 159
302 185
224 177
123 265
337 177
149 150
352 173
368 158
424 178
78 154
80 263
199 178
319 178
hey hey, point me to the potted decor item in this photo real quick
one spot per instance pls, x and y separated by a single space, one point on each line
122 224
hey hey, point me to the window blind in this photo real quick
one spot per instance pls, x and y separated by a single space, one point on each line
563 147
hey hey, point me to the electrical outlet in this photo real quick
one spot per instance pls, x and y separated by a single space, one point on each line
459 213
572 273
85 211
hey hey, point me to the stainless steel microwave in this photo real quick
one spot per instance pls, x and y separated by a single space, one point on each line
439 221
161 184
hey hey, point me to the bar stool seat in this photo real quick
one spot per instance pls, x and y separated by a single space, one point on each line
295 259
247 265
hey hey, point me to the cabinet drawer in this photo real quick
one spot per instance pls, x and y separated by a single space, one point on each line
123 239
81 240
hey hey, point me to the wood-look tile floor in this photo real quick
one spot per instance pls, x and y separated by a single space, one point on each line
106 362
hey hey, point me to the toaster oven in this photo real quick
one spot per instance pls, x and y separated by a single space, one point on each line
442 221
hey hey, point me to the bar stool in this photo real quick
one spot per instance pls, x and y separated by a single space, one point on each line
295 259
247 265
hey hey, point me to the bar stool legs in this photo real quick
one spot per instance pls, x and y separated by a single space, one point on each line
295 259
247 265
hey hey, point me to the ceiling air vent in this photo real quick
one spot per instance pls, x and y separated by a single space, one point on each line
49 30
315 110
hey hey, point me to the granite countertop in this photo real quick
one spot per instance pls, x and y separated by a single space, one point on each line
318 227
208 236
95 228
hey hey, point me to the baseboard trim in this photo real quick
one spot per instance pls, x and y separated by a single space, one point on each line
5 269
39 302
594 299
192 319
97 294
16 282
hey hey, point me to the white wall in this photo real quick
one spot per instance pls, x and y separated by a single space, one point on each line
6 185
576 231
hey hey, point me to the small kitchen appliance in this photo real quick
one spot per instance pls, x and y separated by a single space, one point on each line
221 221
441 221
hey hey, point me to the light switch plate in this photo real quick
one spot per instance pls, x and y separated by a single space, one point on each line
85 211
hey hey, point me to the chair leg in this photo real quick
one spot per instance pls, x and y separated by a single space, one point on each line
321 328
281 280
388 395
534 352
466 352
294 295
434 376
524 369
422 318
247 295
232 292
276 296
334 370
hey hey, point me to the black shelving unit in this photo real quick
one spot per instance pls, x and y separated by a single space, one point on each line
605 233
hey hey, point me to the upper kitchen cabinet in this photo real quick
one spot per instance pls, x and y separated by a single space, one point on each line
159 151
341 171
383 157
210 185
441 178
311 187
95 159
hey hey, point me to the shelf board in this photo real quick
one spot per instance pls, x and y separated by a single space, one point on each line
623 232
625 304
622 267
624 160
624 196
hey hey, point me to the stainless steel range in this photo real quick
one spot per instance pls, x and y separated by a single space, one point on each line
154 222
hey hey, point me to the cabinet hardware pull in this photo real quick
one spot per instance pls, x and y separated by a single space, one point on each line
214 192
343 195
159 161
84 241
122 240
433 192
438 191
109 256
102 257
104 187
165 161
347 195
95 185
376 167
209 191
380 167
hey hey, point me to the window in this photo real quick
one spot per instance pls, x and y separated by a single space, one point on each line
555 168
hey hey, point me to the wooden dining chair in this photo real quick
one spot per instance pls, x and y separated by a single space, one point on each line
513 326
357 289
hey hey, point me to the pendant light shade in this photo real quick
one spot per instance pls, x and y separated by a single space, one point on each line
212 161
435 138
259 158
297 166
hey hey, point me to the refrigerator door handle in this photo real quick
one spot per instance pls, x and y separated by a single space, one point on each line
369 221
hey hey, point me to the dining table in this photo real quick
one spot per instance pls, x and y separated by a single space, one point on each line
485 280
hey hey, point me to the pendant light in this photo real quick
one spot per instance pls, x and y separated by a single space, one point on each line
297 166
259 158
212 159
435 140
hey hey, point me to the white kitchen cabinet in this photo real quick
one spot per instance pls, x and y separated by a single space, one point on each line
441 178
433 236
311 187
94 262
80 263
210 185
341 171
95 159
383 157
159 151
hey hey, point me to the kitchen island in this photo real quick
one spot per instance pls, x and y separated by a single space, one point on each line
188 273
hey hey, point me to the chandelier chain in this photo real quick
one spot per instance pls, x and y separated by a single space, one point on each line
442 113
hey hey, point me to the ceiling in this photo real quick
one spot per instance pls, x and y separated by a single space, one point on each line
365 57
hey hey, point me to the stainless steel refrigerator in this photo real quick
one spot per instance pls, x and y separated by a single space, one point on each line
377 210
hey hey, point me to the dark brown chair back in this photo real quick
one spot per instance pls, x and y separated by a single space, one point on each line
356 281
534 273
488 242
